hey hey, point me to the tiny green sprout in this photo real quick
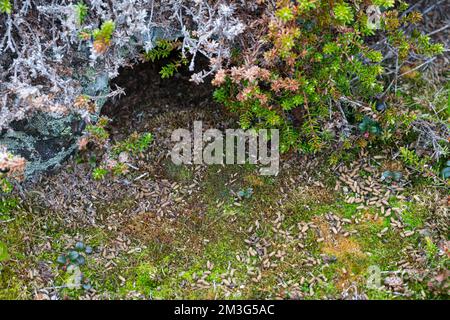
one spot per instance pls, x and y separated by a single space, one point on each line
105 32
285 14
136 143
103 122
5 6
98 131
430 248
81 12
171 68
5 185
99 173
162 50
7 204
343 12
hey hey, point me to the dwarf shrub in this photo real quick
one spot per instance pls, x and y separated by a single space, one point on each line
318 76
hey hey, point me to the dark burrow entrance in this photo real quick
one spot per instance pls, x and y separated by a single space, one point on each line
150 100
160 106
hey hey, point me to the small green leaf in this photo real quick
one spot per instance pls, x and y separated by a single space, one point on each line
81 12
62 259
374 129
80 260
79 246
73 255
363 126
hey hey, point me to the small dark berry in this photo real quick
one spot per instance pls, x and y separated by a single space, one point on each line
381 106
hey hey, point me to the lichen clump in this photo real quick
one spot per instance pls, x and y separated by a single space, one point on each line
49 49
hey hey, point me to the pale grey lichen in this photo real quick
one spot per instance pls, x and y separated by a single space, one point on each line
45 64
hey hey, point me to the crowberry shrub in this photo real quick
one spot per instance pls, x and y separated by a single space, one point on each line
316 74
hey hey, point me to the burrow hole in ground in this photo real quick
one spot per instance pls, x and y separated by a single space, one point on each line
147 96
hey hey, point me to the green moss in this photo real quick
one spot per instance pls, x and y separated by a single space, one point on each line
146 278
166 269
11 286
134 144
380 294
179 173
7 205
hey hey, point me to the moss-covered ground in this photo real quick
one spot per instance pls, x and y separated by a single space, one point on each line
277 243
